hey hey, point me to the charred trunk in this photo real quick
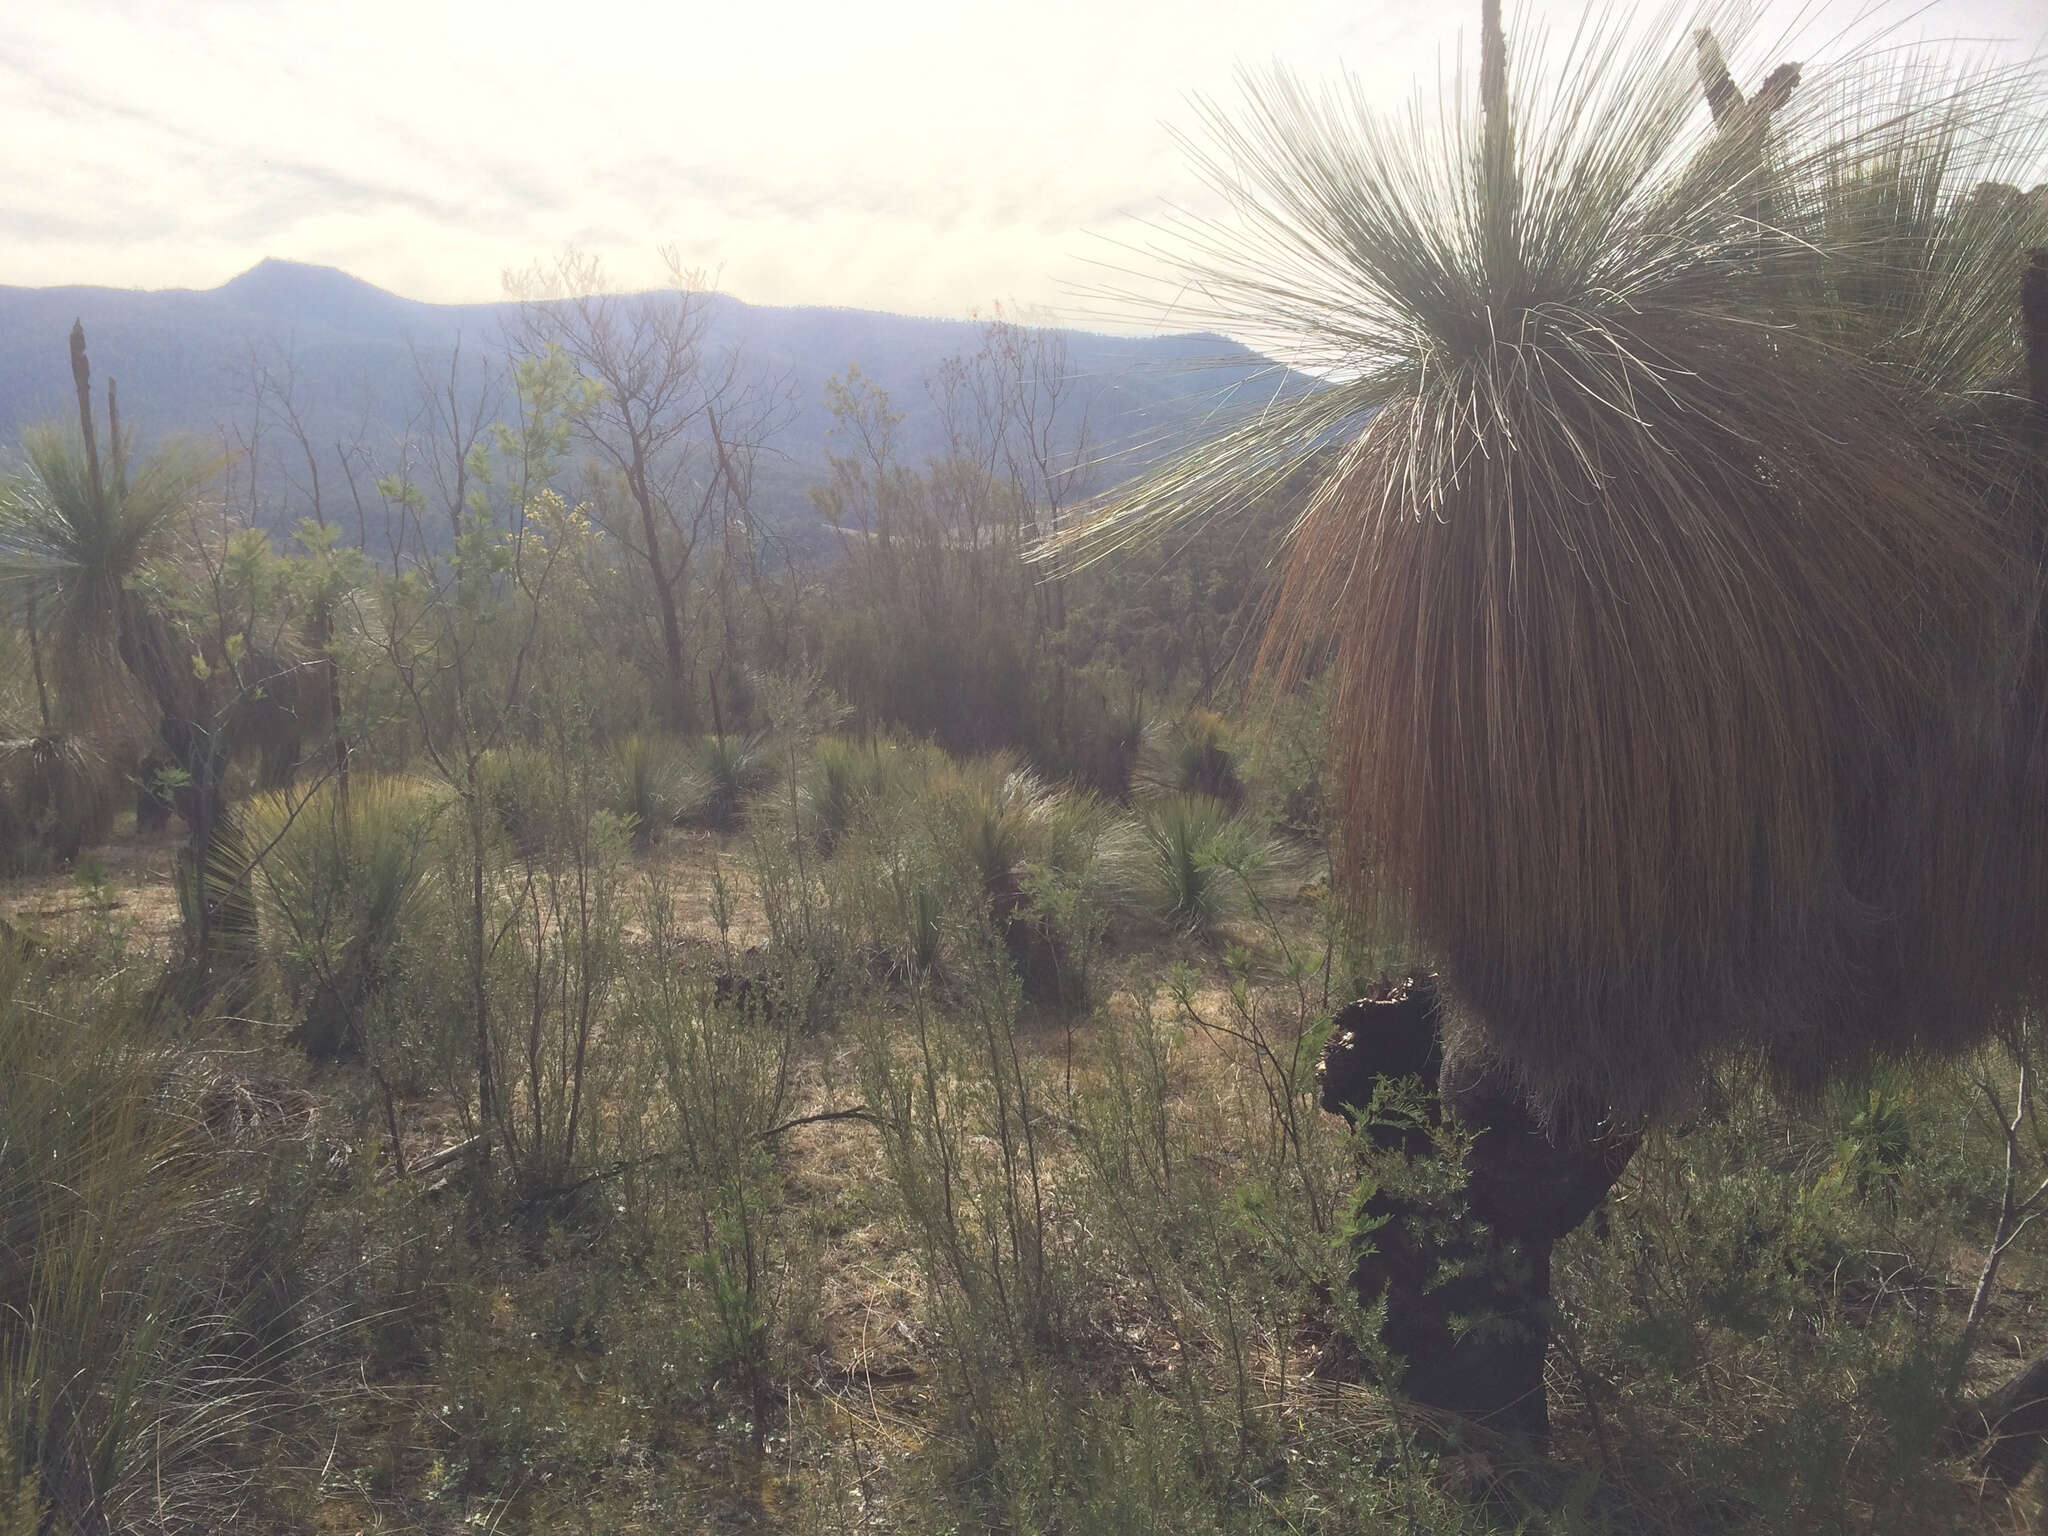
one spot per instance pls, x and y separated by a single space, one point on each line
1465 1276
2011 1425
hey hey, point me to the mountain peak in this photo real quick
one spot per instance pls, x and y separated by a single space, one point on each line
298 293
273 271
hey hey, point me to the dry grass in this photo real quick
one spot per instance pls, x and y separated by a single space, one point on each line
539 1392
139 879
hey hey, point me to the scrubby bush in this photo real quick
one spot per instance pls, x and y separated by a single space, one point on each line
550 979
733 767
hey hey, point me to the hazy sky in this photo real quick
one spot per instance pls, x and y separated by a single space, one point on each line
897 154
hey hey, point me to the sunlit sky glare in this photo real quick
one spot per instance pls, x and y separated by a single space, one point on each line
900 154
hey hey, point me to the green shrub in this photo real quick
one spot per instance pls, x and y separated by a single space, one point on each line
337 885
653 783
733 768
1195 865
1196 755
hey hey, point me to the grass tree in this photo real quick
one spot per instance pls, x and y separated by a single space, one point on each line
1675 545
80 545
75 553
1674 556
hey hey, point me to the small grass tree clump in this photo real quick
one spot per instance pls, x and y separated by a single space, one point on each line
1022 845
517 785
845 778
57 799
338 889
1195 865
734 766
1196 755
653 784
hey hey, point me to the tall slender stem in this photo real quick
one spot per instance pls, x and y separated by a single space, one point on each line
1500 186
81 376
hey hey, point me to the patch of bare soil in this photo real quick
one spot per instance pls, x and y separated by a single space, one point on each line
692 864
128 881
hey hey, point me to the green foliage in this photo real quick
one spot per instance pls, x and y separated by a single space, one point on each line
519 787
550 973
1195 865
1195 755
127 1356
1751 1307
339 886
21 1503
653 785
963 1146
733 768
727 1081
995 820
846 777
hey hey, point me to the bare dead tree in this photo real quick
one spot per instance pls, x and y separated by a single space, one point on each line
1046 439
651 431
452 423
280 396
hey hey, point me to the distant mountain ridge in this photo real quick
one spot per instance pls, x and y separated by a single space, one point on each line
181 359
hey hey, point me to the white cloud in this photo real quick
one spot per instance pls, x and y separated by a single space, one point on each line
913 155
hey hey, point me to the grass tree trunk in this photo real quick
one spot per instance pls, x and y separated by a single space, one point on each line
1490 1223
